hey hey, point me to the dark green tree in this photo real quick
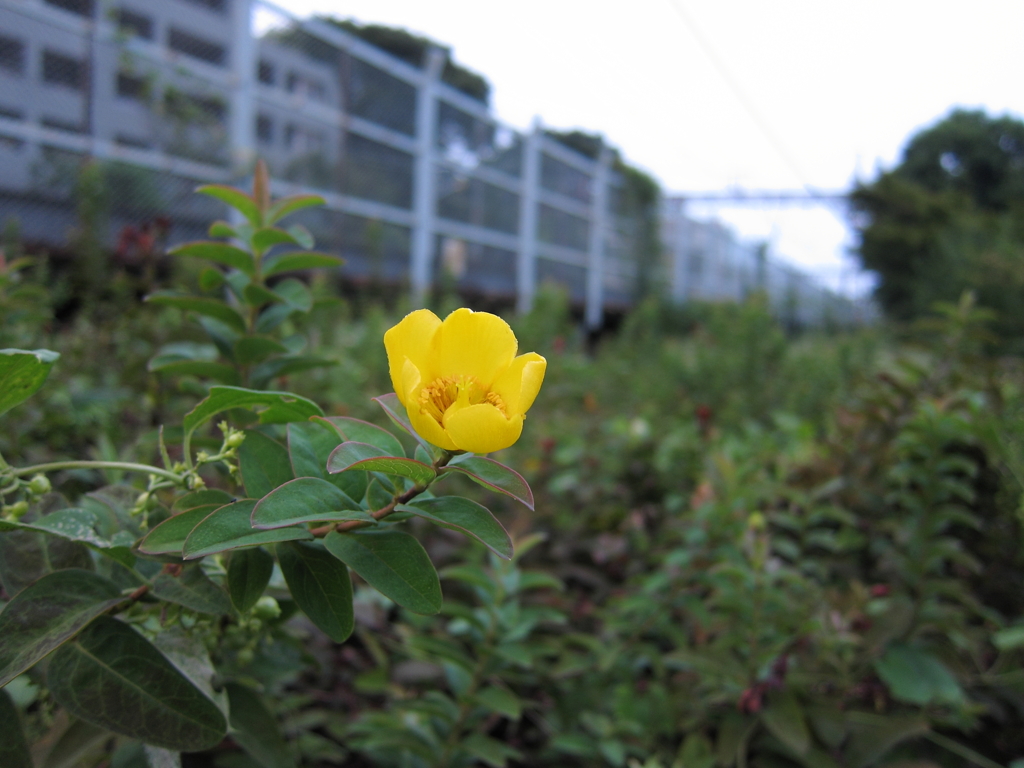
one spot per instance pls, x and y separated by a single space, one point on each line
950 218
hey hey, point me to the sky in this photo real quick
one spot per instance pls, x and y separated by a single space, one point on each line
709 95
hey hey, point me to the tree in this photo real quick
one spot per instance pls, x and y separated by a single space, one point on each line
949 218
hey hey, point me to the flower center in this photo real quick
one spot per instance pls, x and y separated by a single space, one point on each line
445 391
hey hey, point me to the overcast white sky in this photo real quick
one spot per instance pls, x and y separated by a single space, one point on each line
839 85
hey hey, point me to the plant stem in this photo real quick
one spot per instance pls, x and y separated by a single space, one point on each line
124 465
380 514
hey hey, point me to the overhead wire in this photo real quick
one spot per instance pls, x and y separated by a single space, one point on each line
723 70
737 91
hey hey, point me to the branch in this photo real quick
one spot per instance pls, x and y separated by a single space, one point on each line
123 465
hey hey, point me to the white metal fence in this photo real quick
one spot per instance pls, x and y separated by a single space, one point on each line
420 178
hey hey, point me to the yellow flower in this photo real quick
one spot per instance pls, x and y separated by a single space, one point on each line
460 381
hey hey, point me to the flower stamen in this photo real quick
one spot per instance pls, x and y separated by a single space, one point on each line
495 399
438 396
445 391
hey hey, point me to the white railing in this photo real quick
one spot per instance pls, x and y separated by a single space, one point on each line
526 203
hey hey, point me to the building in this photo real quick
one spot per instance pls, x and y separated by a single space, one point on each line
420 179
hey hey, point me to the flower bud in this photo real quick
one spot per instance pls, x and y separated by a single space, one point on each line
18 510
266 608
235 439
39 485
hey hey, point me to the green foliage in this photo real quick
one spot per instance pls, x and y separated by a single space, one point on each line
948 219
747 548
126 595
412 49
245 326
23 373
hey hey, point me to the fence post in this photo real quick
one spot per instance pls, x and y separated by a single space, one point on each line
675 213
526 259
424 203
594 307
242 125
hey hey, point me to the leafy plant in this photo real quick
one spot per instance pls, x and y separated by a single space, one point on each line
245 323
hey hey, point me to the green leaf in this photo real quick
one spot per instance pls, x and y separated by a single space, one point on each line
917 677
13 747
363 456
254 349
613 750
1009 638
48 613
180 352
69 524
222 336
282 366
288 205
75 743
302 236
22 373
321 587
221 228
249 573
493 475
221 253
309 445
257 296
237 199
697 752
784 718
306 500
238 281
364 432
112 677
733 733
377 496
273 316
267 237
192 589
293 262
168 538
135 754
491 751
255 730
500 700
204 370
26 556
229 528
871 736
396 412
281 407
295 293
393 563
201 305
537 580
827 722
264 464
188 653
465 516
203 498
210 279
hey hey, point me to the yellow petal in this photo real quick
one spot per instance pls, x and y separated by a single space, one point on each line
411 339
519 384
427 428
483 428
475 344
409 382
